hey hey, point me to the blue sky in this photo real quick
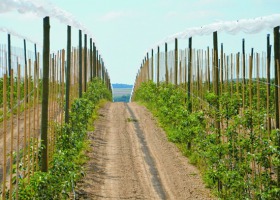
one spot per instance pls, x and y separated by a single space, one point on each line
124 30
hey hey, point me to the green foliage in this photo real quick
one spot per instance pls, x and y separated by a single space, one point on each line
71 142
228 156
96 90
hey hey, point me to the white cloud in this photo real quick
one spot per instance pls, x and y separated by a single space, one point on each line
42 8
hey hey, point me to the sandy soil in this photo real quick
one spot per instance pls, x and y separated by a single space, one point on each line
130 158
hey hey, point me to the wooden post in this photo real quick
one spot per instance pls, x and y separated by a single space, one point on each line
250 79
80 65
18 129
45 94
94 60
99 72
25 65
180 69
85 63
9 55
97 64
166 65
25 56
12 131
152 65
268 60
141 74
244 74
148 67
226 60
91 59
238 72
36 62
4 135
25 114
103 70
158 62
222 67
189 74
231 74
96 68
276 67
208 69
144 69
34 135
68 70
176 62
216 91
216 73
185 74
62 74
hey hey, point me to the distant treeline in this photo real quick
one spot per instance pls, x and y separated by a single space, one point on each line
119 85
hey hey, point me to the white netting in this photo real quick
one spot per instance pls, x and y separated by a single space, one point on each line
42 8
249 26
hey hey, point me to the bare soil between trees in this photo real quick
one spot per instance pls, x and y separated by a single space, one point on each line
131 158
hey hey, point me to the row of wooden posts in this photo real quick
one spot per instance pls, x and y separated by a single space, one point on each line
97 69
65 75
181 68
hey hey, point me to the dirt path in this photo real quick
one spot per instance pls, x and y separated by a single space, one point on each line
132 159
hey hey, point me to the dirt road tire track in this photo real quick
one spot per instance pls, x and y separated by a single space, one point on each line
130 158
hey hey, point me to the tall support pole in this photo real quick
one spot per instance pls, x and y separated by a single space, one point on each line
244 74
85 63
158 61
148 67
222 67
91 59
94 60
145 69
102 71
80 65
45 94
208 69
67 98
25 56
36 59
97 64
189 145
176 62
276 67
189 75
216 91
25 66
9 55
166 64
4 136
152 65
268 60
